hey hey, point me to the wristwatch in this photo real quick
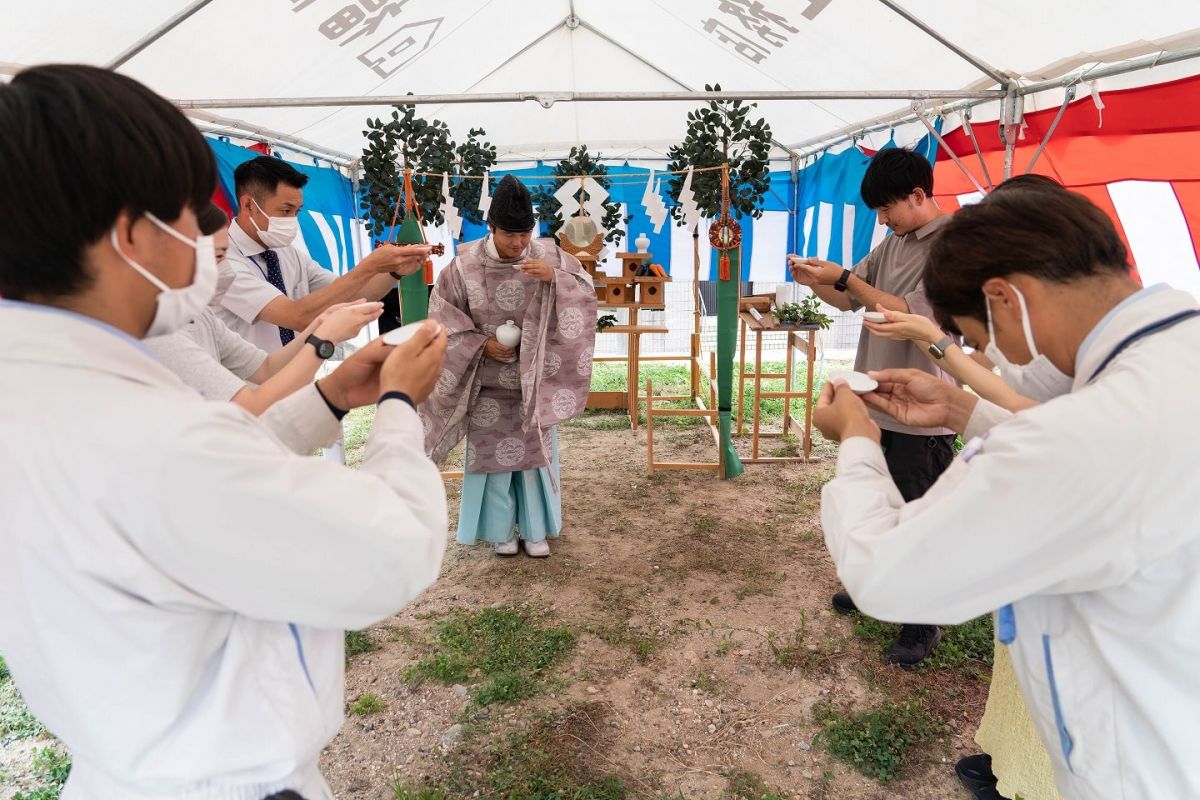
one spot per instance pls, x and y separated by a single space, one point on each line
938 348
324 347
841 282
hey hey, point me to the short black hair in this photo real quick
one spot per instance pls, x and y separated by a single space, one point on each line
1048 233
894 174
211 219
1030 180
91 144
262 176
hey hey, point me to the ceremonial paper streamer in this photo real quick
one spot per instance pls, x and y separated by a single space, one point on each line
656 210
453 220
485 197
687 202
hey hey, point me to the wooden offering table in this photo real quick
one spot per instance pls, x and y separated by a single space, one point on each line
802 338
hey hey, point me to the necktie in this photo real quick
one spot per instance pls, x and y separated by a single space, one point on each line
275 278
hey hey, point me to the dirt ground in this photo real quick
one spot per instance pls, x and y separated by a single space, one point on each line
686 591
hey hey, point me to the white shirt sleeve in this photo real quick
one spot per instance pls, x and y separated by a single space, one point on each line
193 364
303 421
1014 518
237 355
986 416
318 276
249 293
280 537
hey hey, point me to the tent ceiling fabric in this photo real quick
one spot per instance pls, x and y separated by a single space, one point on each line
306 48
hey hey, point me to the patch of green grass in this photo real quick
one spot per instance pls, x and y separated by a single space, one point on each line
356 427
755 580
508 650
15 720
642 644
357 643
748 786
367 703
50 768
705 523
4 673
555 759
967 647
724 646
706 683
876 743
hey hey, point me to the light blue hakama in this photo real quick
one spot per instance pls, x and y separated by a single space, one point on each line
495 504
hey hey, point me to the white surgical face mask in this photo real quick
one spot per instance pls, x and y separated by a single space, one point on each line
177 307
225 276
280 232
1038 380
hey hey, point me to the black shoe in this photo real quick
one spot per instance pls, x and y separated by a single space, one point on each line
975 772
843 603
913 645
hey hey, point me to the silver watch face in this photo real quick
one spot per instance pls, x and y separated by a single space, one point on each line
936 351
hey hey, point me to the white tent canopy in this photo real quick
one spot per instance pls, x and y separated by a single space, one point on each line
224 53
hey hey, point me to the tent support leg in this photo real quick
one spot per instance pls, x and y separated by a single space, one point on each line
1070 95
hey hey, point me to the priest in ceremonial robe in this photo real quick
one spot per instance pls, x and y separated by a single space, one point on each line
508 401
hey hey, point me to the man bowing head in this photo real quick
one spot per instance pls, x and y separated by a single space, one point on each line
520 318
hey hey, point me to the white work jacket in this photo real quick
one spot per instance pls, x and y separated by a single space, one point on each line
1080 520
175 582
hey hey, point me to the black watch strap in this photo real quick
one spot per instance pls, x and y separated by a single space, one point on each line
324 347
842 281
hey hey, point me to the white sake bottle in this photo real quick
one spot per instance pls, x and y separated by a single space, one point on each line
508 334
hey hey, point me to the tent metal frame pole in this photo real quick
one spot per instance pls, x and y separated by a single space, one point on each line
970 131
156 34
1067 98
975 61
901 117
243 130
953 156
549 98
1009 129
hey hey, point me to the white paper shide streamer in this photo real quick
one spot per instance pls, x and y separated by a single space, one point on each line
451 218
652 201
485 197
568 198
687 203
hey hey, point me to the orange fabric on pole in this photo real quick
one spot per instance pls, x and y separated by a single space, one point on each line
410 204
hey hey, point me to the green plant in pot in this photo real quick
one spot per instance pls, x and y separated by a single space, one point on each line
806 312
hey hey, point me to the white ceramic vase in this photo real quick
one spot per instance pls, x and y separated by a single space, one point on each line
508 334
642 243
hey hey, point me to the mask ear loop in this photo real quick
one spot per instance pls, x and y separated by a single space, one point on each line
1025 322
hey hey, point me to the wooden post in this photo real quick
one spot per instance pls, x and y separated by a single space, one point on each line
758 337
649 426
635 342
787 386
812 360
696 316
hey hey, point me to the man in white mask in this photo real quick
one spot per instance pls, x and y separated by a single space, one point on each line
176 581
277 289
1078 520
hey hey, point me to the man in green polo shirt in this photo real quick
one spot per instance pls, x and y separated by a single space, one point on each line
898 187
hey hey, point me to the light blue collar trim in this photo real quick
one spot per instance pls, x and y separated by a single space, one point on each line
1113 313
95 323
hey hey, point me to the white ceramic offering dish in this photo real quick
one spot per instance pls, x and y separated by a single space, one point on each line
859 383
874 316
402 334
